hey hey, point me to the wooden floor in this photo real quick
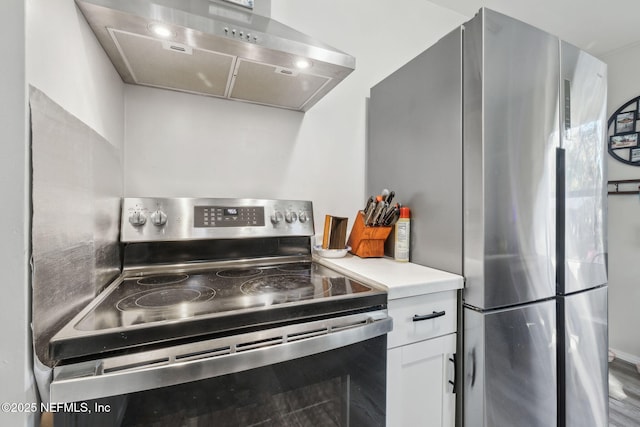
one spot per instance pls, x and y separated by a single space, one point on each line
624 394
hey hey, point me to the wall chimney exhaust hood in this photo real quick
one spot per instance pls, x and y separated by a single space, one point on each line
215 48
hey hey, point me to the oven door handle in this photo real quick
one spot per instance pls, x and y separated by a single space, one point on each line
174 365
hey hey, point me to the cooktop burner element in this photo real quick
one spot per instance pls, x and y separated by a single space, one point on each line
167 279
166 297
293 286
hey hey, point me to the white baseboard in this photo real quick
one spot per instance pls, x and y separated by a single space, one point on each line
626 356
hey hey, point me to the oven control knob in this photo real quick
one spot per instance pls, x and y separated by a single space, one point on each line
290 217
276 217
302 216
137 219
158 218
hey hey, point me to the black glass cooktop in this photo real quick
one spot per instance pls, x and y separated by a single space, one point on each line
154 308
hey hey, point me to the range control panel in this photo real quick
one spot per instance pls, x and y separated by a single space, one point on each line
172 219
228 216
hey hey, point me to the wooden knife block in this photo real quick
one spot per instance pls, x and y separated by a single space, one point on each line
367 242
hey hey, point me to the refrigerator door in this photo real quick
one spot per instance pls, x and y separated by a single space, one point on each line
510 366
414 147
582 359
510 116
582 254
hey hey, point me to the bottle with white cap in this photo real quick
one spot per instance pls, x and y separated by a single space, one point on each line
402 235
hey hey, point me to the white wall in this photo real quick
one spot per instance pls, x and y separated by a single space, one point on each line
15 352
624 220
66 62
47 44
189 145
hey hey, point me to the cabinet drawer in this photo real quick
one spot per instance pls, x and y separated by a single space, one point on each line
406 330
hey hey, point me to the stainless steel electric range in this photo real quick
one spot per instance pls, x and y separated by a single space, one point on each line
221 310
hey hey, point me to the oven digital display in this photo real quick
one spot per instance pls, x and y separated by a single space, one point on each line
228 216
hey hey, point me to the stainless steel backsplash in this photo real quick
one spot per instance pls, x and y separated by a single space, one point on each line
76 195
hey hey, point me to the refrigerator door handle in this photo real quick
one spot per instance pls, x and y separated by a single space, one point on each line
473 367
418 318
560 218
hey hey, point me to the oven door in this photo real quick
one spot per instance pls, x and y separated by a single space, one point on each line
330 372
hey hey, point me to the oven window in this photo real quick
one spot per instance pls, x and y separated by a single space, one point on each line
343 387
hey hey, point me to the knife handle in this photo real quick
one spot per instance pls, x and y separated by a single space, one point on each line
378 213
390 197
369 214
369 205
392 217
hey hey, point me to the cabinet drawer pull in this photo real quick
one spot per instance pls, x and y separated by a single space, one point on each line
417 318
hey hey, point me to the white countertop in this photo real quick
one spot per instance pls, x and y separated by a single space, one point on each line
401 279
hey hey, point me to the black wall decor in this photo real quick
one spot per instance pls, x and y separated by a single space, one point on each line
624 140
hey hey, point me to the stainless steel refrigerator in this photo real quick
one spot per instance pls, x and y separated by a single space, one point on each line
494 137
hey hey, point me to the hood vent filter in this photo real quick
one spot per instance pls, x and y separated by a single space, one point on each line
215 49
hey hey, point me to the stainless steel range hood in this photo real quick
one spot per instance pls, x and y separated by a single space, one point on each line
215 48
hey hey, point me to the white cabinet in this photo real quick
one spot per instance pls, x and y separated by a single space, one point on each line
419 365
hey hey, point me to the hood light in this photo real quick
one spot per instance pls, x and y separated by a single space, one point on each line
303 63
161 31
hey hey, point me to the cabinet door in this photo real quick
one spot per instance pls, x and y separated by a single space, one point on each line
418 388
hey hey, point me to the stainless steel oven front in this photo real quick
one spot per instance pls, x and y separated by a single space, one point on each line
222 318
